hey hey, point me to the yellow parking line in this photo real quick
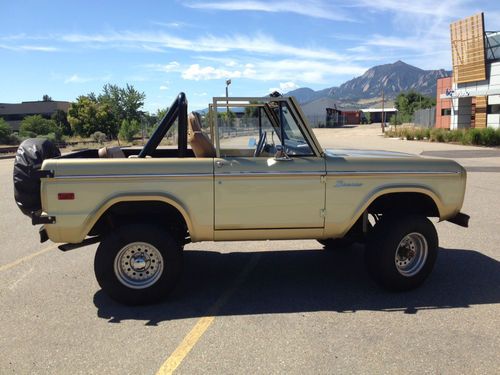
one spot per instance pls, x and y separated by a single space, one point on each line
26 258
201 326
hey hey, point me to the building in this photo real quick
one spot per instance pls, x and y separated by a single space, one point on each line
443 106
474 91
379 114
15 113
339 117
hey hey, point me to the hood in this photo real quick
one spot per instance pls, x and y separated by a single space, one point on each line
343 153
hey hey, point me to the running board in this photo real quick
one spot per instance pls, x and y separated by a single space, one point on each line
85 242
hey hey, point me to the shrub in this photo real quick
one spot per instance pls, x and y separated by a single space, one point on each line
5 131
436 135
489 137
99 137
128 130
38 125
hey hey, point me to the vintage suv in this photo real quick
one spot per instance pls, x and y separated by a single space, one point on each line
261 176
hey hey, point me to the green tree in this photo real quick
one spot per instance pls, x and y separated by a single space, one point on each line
38 125
408 103
123 102
61 119
5 131
128 130
87 115
228 118
105 112
46 98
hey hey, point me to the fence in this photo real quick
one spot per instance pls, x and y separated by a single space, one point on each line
425 118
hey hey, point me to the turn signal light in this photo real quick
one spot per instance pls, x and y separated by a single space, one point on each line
65 196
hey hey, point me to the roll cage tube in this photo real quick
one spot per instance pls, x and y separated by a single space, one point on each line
178 110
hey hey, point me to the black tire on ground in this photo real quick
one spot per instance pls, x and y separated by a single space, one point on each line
395 254
138 264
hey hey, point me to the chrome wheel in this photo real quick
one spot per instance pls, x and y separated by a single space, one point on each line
411 254
138 265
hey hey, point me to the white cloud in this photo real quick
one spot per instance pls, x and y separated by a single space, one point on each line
285 87
257 44
75 78
306 71
163 87
197 73
310 8
29 48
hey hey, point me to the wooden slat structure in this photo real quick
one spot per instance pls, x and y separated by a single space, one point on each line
467 49
481 104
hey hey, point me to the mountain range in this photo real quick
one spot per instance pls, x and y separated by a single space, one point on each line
367 89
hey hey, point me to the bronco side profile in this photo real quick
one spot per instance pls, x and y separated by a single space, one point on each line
259 176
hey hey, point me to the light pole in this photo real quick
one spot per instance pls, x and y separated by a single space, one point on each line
228 82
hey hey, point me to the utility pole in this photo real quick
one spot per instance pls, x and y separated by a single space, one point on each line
382 124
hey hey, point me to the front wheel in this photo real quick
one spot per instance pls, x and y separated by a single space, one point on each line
401 252
138 264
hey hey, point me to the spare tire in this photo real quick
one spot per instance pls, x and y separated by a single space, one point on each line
29 158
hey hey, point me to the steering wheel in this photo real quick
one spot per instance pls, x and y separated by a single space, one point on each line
260 144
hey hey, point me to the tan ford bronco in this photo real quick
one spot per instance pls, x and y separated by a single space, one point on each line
259 176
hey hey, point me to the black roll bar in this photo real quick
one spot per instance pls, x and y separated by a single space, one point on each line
178 110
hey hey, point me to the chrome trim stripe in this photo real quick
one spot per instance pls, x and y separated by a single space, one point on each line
260 173
270 174
134 176
368 173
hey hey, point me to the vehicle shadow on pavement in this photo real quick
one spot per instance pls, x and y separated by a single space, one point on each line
308 281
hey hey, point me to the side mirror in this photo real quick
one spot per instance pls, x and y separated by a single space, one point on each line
281 155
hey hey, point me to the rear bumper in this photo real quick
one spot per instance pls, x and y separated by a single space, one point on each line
460 219
39 218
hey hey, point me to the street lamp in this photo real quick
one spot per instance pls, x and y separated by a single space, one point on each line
228 82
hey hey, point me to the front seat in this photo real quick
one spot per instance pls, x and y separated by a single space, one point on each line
200 143
111 153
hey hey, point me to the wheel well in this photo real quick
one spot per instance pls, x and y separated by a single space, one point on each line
409 203
159 213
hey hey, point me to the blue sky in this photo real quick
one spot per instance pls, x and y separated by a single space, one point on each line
68 48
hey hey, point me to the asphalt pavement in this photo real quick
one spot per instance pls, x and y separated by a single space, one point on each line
263 307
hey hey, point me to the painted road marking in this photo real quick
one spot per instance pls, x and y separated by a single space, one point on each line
26 258
201 326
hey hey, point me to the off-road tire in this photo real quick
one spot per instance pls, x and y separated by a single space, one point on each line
160 249
389 250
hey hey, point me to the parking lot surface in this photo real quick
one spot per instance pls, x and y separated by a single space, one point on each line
263 307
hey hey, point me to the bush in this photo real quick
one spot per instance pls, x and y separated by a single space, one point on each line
128 130
5 131
490 137
436 135
99 137
38 125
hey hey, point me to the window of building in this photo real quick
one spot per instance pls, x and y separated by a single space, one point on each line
445 111
493 109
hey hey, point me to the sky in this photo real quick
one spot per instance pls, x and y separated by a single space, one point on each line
71 48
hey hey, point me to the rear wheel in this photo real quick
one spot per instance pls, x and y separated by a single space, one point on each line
138 264
401 252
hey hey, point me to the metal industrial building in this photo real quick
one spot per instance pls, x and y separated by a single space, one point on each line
471 98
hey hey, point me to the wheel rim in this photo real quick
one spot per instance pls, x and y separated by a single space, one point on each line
138 265
411 254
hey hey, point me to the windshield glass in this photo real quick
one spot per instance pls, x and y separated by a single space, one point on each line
295 142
